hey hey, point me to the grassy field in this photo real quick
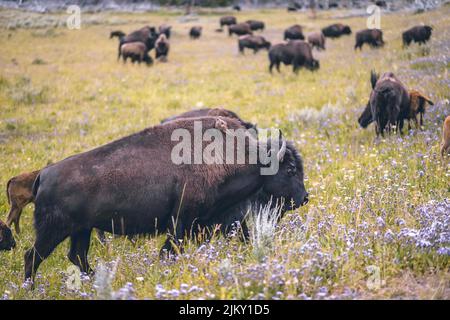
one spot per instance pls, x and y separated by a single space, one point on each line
376 205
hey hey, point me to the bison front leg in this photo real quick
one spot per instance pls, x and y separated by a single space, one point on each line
79 247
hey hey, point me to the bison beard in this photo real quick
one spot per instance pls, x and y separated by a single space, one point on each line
130 187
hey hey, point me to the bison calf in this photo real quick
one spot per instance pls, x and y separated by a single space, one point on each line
417 103
162 47
136 51
253 42
7 241
195 32
19 194
373 37
294 32
420 34
445 144
240 29
295 53
317 40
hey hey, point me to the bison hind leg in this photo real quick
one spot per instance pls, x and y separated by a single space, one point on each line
79 247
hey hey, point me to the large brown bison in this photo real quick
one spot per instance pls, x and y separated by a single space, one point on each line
146 35
420 34
389 102
210 112
336 30
195 32
296 53
373 37
162 47
136 51
294 32
253 42
134 186
227 21
256 25
317 40
19 194
240 29
7 241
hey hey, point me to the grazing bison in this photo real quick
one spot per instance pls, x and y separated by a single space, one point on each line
389 102
146 35
237 7
291 9
420 34
165 29
7 241
253 42
294 32
162 47
298 53
211 112
445 144
336 30
19 194
228 21
136 51
417 105
240 29
317 40
373 37
119 34
132 186
195 32
256 25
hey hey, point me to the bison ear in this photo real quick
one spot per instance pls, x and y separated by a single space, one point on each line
221 125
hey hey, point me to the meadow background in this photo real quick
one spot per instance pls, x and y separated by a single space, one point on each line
374 204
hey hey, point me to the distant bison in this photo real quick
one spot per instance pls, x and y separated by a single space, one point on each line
119 34
113 186
253 42
237 7
256 25
389 102
240 29
336 30
294 32
210 112
162 47
373 37
295 53
7 241
227 21
165 29
195 32
291 9
317 40
19 194
445 144
146 35
136 51
420 34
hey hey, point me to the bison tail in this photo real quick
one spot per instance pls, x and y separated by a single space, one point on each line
36 185
374 78
7 190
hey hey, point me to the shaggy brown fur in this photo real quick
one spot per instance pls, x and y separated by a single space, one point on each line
136 51
294 32
19 194
445 144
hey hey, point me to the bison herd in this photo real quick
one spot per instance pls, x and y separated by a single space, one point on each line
130 186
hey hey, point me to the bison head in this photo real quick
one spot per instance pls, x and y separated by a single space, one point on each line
7 241
313 65
288 182
366 117
346 30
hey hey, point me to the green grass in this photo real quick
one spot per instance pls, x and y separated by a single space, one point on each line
81 97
